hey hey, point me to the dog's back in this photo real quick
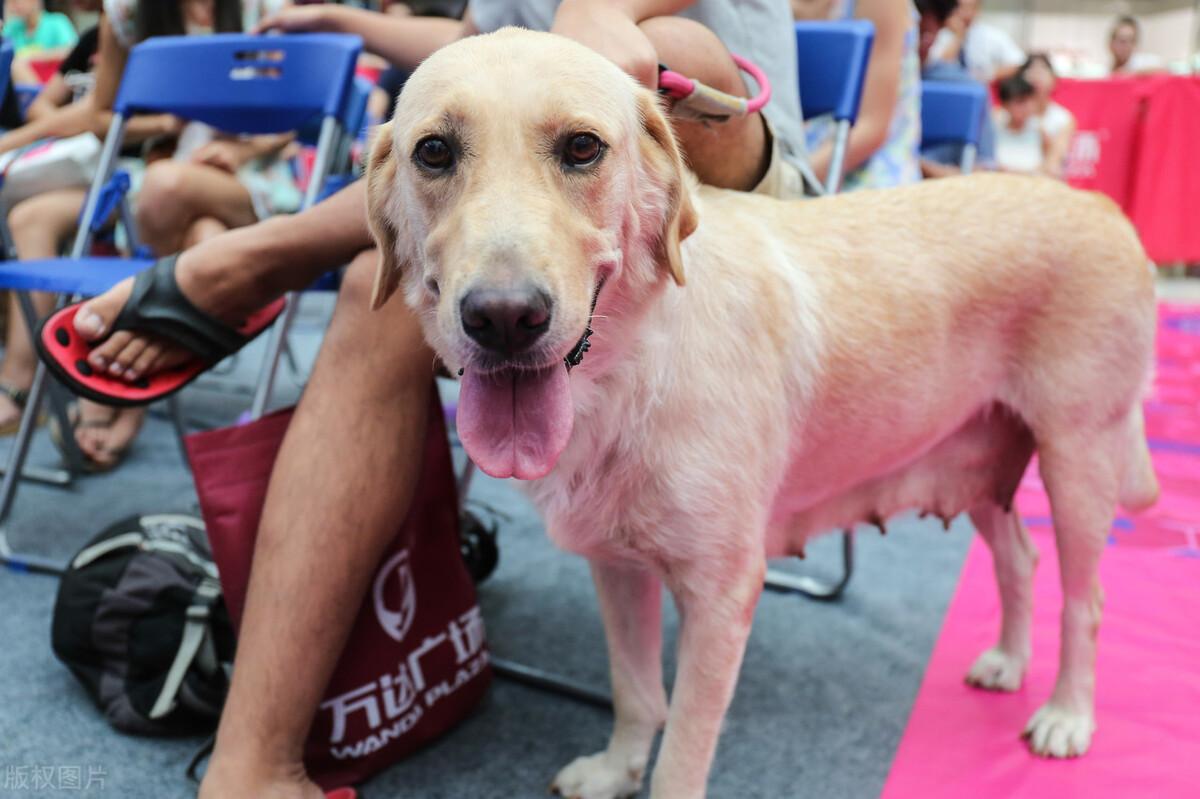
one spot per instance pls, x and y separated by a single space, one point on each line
874 327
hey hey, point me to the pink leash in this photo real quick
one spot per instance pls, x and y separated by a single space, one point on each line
695 100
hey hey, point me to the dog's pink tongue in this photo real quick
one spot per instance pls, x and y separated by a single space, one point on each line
516 423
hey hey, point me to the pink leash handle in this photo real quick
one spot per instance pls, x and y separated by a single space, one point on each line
697 100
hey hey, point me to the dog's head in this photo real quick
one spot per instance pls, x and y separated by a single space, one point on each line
523 177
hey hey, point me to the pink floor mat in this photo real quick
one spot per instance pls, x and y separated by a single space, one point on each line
964 742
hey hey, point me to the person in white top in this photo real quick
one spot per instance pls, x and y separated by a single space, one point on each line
986 51
1057 123
1123 45
1020 143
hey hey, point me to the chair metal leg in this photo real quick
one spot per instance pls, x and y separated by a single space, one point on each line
550 683
58 400
20 447
12 478
464 483
179 423
289 357
275 344
967 163
811 587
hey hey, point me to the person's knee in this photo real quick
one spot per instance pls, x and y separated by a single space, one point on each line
358 281
163 193
38 221
25 216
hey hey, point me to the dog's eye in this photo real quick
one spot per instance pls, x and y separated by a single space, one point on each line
434 153
582 149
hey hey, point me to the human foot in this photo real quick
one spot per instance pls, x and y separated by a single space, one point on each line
226 294
229 783
105 434
12 405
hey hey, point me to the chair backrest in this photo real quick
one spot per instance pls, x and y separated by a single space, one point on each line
6 58
239 83
832 59
952 112
354 110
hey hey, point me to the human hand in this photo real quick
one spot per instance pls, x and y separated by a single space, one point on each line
170 125
299 19
224 154
605 28
956 23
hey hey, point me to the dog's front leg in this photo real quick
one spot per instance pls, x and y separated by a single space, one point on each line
631 605
716 608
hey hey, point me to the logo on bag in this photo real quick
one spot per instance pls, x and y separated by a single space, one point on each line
396 574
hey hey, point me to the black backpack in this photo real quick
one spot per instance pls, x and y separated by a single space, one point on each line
140 621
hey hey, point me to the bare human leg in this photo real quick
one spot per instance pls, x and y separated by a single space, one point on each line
39 226
234 274
325 524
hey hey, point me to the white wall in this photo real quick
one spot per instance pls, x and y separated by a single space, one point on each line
1079 42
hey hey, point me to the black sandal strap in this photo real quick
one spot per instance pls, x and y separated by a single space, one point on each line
156 305
19 396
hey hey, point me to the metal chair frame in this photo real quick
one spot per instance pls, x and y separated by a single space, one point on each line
235 83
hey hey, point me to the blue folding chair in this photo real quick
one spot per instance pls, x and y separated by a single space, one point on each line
953 113
832 60
233 82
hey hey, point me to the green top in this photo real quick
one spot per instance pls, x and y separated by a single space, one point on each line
54 31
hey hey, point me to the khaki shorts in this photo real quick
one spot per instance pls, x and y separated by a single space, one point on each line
783 180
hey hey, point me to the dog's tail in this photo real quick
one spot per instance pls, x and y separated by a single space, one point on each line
1139 486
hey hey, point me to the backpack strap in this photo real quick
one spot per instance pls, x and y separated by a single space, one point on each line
195 633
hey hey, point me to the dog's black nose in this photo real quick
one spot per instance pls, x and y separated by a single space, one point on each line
506 321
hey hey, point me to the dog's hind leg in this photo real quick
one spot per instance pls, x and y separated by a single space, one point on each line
1082 472
716 605
1139 488
1002 667
631 605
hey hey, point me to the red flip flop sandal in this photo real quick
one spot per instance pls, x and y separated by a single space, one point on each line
341 793
156 306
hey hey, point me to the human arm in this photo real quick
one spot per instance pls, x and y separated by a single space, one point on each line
403 41
1006 56
94 112
948 44
610 27
55 94
881 88
931 169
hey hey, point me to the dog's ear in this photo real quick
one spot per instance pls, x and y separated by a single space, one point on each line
381 179
661 153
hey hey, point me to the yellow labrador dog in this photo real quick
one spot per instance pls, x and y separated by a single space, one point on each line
760 371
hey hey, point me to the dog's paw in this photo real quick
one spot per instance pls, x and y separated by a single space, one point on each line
598 776
1058 732
997 670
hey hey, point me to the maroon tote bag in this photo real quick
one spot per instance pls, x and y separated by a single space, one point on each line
416 661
